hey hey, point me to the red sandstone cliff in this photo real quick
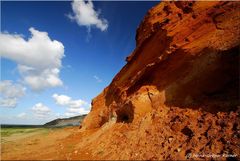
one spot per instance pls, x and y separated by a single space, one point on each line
178 94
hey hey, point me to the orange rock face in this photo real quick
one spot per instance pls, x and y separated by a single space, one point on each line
178 95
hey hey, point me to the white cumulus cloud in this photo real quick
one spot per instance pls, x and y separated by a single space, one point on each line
40 110
39 58
62 100
10 93
74 107
85 15
8 102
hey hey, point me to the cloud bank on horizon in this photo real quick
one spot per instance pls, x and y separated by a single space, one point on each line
85 15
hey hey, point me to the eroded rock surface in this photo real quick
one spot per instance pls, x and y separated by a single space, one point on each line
178 95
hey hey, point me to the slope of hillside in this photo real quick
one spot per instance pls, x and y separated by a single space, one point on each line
71 121
178 95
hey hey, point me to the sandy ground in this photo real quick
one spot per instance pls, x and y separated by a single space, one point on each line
42 145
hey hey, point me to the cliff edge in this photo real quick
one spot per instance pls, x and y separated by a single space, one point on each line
178 95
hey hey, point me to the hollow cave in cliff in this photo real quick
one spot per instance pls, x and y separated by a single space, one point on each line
125 114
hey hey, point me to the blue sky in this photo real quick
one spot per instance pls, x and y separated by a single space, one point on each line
94 51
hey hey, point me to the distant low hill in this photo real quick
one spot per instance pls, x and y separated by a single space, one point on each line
71 121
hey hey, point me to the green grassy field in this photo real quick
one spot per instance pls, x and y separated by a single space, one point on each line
5 132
